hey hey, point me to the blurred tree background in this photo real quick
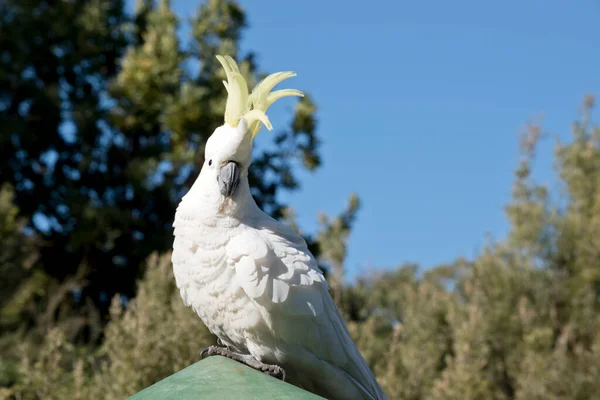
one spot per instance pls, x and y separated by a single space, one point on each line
103 118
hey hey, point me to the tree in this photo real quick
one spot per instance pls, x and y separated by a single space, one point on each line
521 320
16 255
333 244
56 60
102 127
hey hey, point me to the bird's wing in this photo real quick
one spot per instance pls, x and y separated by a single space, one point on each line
275 268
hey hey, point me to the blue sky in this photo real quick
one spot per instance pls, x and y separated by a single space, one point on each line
420 106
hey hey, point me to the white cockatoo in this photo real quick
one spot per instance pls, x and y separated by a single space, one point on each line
251 279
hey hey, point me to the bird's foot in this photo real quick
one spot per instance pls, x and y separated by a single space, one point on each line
247 359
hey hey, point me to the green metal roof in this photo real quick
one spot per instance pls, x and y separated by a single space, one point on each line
223 379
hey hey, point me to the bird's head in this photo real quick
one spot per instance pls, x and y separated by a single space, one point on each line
228 151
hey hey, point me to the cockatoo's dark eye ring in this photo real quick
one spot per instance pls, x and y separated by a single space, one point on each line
209 163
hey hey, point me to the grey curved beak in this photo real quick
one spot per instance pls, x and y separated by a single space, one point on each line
229 177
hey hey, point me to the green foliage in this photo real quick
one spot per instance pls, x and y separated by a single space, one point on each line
53 73
332 240
150 338
103 119
155 336
15 258
520 321
48 372
102 127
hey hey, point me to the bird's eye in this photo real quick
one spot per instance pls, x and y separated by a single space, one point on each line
209 163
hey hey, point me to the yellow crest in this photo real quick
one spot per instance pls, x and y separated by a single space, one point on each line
251 106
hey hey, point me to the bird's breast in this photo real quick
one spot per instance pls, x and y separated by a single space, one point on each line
207 280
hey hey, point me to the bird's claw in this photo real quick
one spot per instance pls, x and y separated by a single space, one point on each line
210 350
274 371
269 369
203 353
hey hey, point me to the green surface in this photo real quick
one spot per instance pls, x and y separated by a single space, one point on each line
221 378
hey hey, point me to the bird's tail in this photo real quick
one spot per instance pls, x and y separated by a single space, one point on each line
358 370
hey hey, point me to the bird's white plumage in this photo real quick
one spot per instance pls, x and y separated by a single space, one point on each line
255 284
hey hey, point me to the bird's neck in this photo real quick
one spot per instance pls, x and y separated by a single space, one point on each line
241 204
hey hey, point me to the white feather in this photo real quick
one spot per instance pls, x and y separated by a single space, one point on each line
257 287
